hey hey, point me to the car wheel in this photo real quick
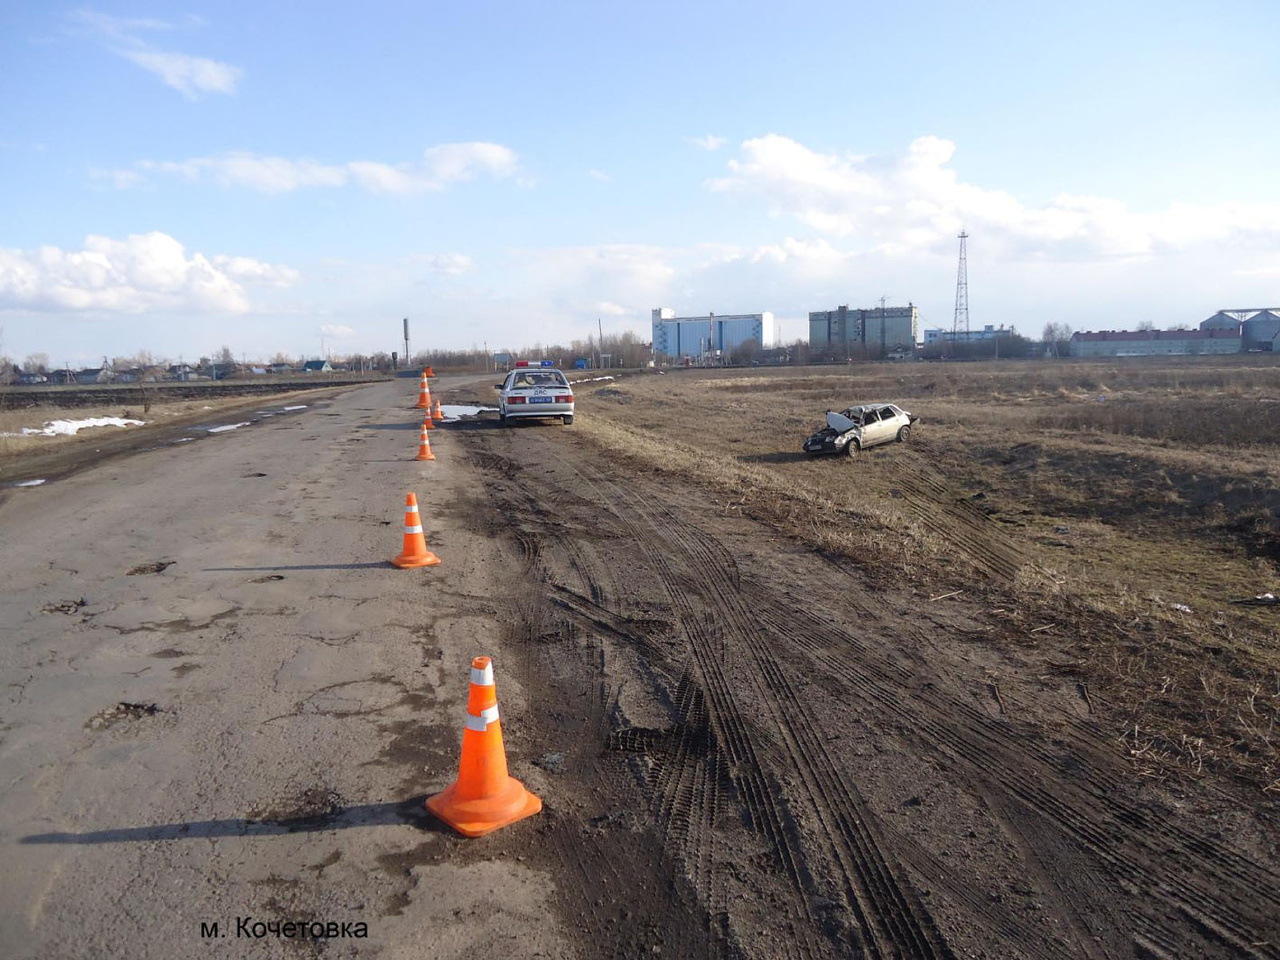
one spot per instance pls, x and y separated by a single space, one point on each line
502 419
568 419
851 448
903 434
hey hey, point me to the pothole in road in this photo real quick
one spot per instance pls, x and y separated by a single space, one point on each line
121 711
311 805
65 606
269 578
156 566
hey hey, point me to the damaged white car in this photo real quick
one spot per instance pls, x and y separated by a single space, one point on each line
857 428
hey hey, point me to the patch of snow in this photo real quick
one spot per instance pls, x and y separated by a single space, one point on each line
29 483
456 411
229 426
184 440
590 380
301 406
69 428
1181 607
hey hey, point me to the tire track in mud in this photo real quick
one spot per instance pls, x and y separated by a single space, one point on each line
889 915
936 506
1011 768
1113 871
606 860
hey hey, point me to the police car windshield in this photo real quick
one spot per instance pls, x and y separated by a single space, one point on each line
539 378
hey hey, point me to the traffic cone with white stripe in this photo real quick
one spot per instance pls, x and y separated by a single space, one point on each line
424 395
435 413
415 552
428 372
424 446
484 797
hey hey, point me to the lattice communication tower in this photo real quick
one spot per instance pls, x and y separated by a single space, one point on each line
961 321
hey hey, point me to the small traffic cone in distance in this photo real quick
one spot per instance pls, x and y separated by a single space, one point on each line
485 797
424 446
428 372
415 552
424 395
436 414
428 423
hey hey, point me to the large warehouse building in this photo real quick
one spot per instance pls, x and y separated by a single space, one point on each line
1149 343
1256 329
878 332
702 337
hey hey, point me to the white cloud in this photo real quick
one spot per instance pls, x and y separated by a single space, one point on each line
267 174
139 274
610 309
440 167
248 270
451 264
916 202
190 75
187 74
599 175
709 142
339 330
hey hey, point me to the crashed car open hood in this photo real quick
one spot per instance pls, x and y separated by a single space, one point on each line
839 422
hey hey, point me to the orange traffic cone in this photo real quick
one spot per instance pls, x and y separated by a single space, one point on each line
484 797
436 414
428 423
415 552
428 372
424 446
424 395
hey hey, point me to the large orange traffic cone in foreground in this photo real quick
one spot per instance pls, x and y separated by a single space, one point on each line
424 446
484 797
415 552
435 413
424 395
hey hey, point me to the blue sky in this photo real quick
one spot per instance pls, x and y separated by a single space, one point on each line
178 178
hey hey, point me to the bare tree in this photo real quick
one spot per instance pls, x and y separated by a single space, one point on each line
36 363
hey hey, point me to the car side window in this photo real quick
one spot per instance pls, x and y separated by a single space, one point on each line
870 417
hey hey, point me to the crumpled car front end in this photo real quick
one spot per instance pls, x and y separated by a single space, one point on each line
835 437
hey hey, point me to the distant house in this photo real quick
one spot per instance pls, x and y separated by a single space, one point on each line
62 376
317 366
182 371
258 371
32 378
94 375
281 368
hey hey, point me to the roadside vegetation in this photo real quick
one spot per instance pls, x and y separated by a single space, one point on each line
1137 502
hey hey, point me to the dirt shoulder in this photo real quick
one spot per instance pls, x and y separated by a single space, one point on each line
826 757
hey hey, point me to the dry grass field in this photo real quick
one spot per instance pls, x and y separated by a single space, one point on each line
1086 506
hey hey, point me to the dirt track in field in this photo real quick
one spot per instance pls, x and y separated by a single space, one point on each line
776 759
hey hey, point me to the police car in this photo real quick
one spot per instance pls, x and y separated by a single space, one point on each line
534 390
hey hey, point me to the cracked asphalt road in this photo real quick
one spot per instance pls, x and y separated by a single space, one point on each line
306 695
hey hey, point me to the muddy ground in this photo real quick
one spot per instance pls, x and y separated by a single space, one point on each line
745 748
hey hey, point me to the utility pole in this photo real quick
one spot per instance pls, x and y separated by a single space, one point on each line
406 342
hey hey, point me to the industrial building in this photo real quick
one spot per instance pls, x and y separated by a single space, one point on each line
1259 327
1149 343
1253 329
712 335
873 333
988 332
